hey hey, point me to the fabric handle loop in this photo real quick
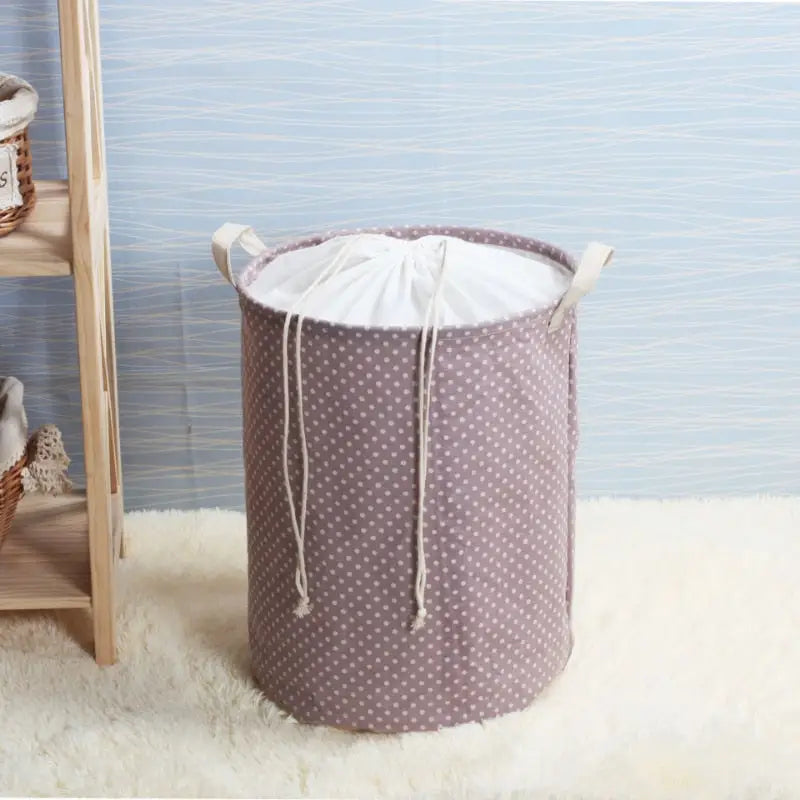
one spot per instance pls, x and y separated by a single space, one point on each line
595 257
223 240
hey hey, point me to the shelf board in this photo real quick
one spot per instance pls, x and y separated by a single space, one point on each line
44 563
42 245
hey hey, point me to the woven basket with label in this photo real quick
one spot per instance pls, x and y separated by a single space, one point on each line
18 103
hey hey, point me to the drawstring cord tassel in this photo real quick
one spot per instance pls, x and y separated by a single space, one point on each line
419 619
303 607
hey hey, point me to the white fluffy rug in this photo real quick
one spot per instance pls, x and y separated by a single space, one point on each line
684 683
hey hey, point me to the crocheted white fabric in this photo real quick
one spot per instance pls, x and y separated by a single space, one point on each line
46 470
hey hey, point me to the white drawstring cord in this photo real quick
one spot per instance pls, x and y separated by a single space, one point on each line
303 607
426 363
424 396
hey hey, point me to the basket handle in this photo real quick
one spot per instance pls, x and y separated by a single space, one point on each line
222 242
594 258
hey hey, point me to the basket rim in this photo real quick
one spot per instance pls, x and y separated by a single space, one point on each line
14 461
468 331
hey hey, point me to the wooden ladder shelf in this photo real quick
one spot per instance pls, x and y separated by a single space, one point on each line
61 552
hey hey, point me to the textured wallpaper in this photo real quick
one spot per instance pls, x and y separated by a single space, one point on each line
669 131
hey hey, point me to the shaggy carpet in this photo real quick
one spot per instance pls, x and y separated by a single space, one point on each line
684 682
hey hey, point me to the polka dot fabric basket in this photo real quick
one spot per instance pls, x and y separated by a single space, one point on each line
410 498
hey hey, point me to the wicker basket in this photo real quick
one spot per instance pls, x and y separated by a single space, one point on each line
10 494
18 102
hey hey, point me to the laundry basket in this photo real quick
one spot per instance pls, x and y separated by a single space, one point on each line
409 442
18 103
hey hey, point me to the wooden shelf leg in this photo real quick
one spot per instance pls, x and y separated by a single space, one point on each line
89 305
83 102
91 270
113 404
97 158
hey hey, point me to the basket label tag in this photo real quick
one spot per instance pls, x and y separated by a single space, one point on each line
9 185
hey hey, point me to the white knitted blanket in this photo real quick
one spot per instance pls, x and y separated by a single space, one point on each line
13 423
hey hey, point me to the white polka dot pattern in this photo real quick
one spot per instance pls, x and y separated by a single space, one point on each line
498 520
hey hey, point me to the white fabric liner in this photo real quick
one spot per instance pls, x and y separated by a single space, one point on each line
18 104
388 282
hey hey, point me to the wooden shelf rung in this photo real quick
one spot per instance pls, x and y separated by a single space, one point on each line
42 245
44 563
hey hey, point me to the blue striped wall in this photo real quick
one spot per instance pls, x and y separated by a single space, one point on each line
670 131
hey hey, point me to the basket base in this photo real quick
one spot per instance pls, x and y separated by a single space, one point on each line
328 720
